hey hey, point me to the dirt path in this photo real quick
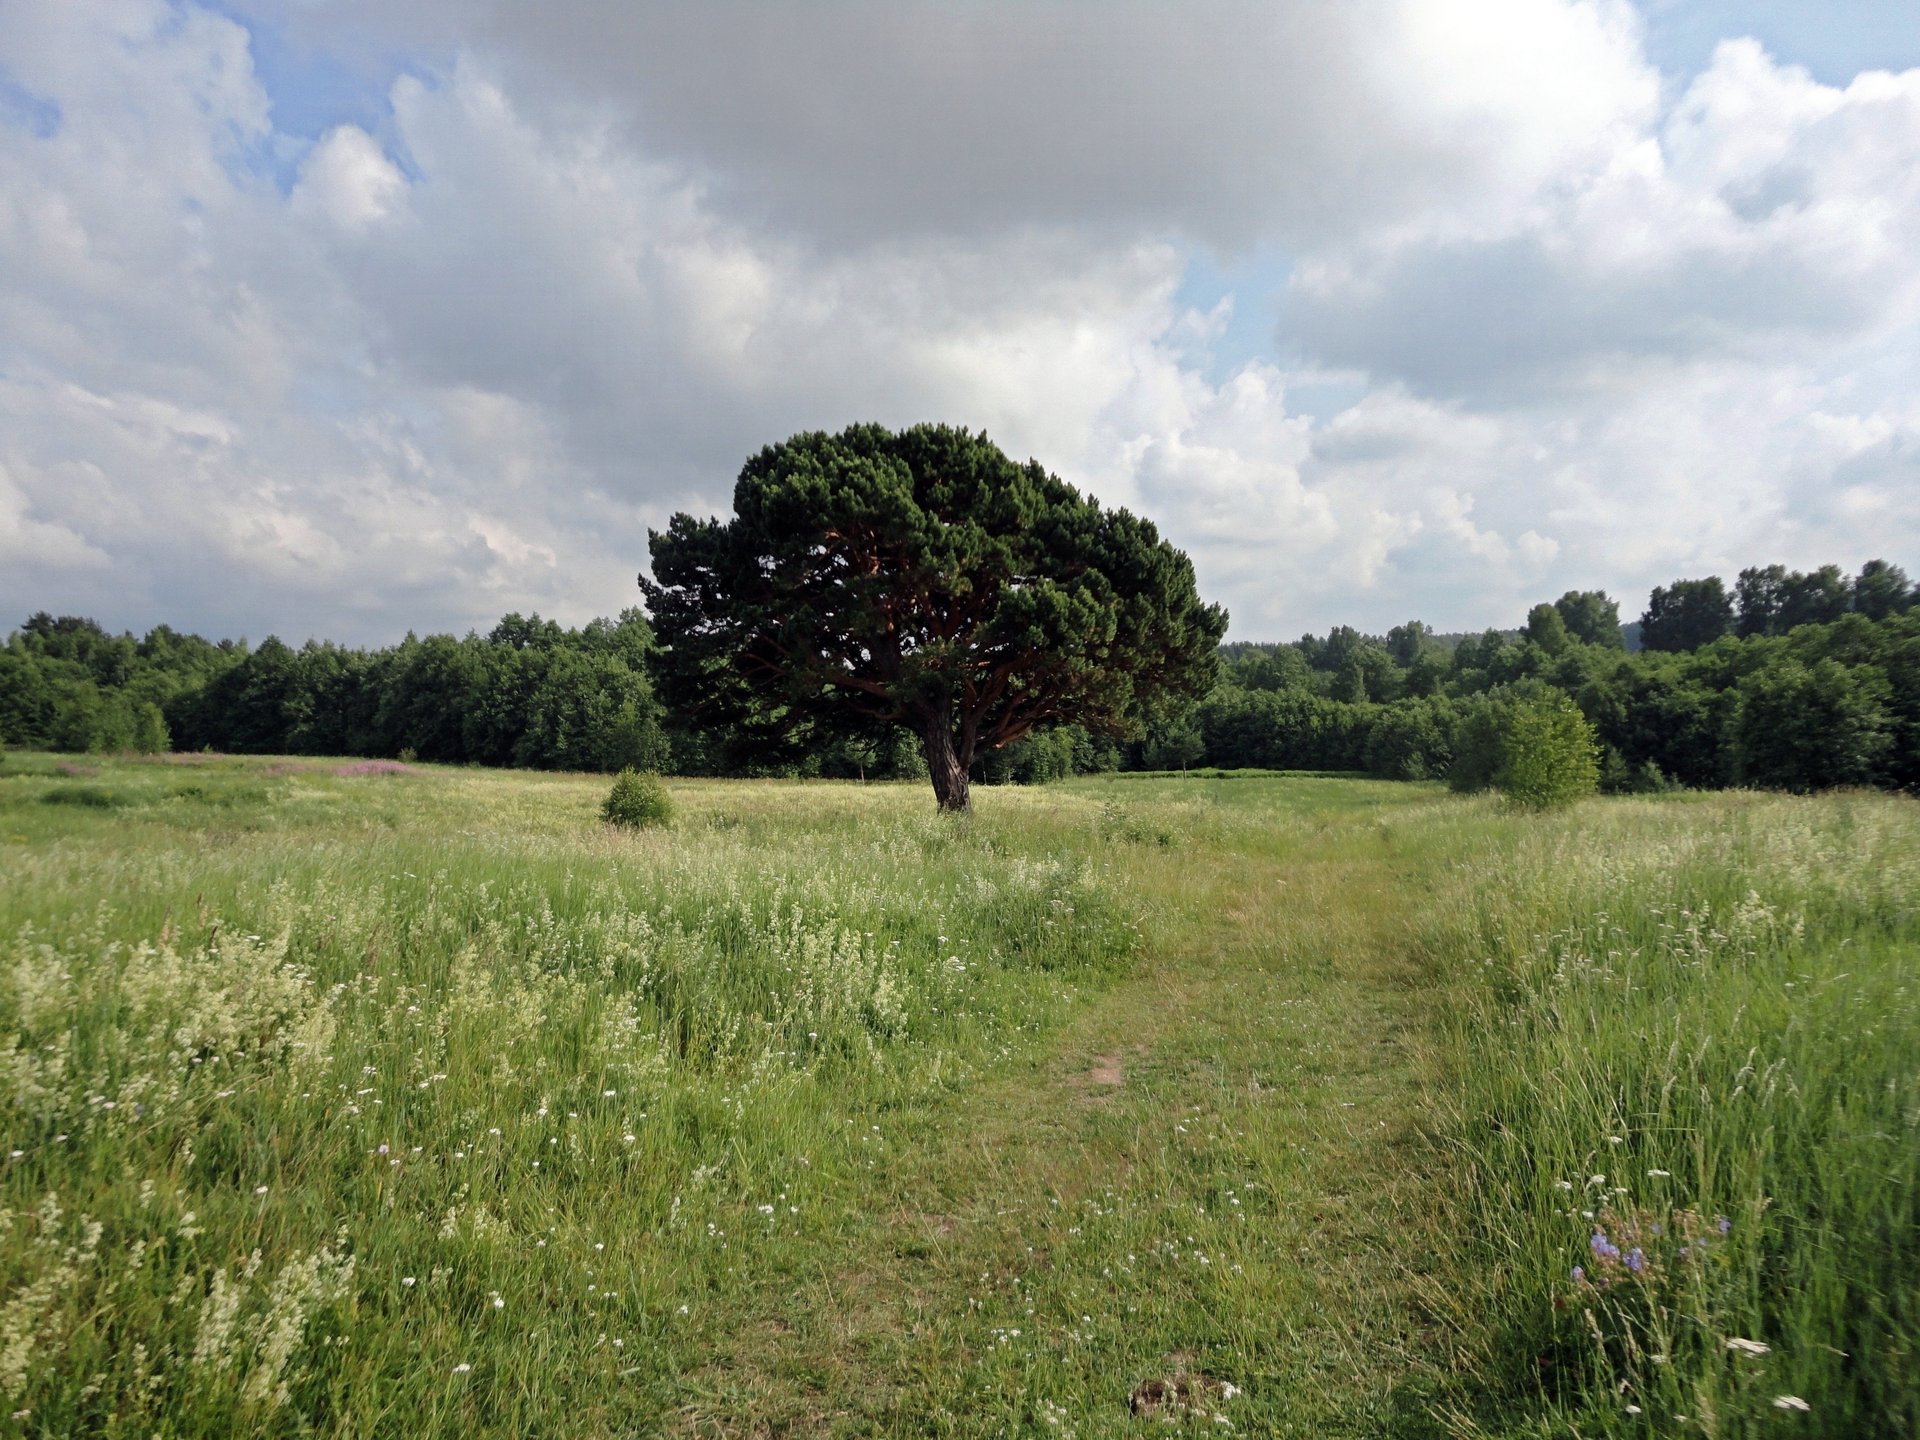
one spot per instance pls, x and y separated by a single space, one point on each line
1192 1207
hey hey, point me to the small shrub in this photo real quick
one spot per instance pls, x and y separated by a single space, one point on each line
150 735
638 799
1549 757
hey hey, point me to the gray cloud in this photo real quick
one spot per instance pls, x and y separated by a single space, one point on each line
600 255
1229 121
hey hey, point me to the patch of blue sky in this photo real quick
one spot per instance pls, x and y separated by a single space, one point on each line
1249 328
1240 331
311 91
1834 39
22 109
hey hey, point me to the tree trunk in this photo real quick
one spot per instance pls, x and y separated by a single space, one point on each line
947 767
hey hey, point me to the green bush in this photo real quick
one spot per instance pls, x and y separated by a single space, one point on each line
1548 755
1409 741
1479 743
150 735
638 798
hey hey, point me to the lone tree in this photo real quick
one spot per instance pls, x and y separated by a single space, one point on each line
872 580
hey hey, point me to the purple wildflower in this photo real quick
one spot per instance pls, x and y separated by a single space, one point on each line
1636 1260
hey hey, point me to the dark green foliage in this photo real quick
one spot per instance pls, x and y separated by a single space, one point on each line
1411 740
1173 744
1592 617
1280 667
1530 742
1792 704
1807 728
1478 747
1687 710
1819 598
1666 716
1775 601
1282 730
1686 615
1547 628
150 730
871 581
1408 642
1881 590
638 799
1757 593
532 693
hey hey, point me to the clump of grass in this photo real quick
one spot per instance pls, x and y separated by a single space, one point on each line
638 799
92 797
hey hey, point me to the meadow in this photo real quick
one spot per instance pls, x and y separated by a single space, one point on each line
350 1098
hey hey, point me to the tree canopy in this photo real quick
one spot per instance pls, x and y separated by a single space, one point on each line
874 580
1686 615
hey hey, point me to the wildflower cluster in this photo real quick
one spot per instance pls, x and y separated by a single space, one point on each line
1638 1246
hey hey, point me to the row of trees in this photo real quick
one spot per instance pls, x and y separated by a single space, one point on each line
1770 600
1824 704
1829 702
528 693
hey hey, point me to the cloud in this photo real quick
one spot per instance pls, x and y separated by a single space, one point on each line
1769 216
348 181
422 370
1227 121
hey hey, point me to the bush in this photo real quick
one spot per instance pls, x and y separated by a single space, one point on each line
638 799
1409 741
1812 727
1548 754
150 730
1479 747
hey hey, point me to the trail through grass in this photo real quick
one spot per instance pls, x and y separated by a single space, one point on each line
347 1100
373 1099
1204 1177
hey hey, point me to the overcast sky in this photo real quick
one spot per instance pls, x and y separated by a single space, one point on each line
326 323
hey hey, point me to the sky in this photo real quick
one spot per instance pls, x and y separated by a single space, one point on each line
340 319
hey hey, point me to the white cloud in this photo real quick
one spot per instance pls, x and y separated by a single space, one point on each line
600 255
348 180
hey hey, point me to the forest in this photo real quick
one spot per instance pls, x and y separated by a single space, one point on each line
1784 680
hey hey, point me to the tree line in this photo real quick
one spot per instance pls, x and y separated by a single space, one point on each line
528 693
1784 679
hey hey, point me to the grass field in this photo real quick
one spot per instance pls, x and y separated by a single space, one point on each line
347 1099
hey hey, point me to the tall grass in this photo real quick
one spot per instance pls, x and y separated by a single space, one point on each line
427 1103
421 1101
1687 1088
